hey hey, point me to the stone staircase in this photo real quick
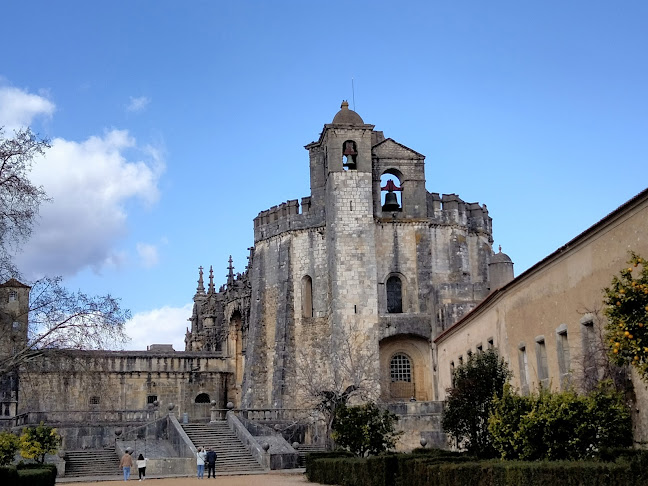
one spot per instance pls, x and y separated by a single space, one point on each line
304 449
232 454
103 462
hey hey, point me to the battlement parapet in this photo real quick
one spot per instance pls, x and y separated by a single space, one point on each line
451 209
286 217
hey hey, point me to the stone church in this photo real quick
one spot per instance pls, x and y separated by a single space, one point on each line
369 249
371 253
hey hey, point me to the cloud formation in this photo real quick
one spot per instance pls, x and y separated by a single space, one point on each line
90 183
18 108
166 325
138 104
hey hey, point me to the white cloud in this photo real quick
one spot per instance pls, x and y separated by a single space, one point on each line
148 254
90 183
138 104
166 325
18 108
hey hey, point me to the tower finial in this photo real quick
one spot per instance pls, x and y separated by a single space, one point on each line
500 248
201 288
211 280
230 272
344 105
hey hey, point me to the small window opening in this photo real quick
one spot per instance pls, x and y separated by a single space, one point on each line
95 400
307 296
350 155
394 295
480 349
151 399
202 398
491 343
13 295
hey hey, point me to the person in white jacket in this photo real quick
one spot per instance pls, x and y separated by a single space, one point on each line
141 466
200 462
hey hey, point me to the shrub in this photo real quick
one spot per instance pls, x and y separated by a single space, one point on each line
469 401
42 475
365 429
8 447
8 475
35 442
562 425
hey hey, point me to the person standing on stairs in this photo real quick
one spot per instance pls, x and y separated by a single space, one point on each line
141 466
200 461
211 462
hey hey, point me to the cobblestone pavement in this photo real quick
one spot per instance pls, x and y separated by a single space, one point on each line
271 479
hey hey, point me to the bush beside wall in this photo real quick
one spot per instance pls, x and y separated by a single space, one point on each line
451 469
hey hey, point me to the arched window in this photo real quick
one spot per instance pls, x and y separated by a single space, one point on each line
202 398
400 368
400 373
13 295
307 296
394 295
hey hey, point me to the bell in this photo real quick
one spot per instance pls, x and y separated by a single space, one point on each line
348 149
391 202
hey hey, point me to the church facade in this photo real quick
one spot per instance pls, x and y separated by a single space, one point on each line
369 251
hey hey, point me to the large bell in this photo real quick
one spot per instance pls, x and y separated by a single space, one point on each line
391 202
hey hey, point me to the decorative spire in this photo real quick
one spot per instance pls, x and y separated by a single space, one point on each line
230 274
201 288
211 280
500 248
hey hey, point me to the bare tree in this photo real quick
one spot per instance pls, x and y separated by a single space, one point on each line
338 368
594 364
60 319
20 199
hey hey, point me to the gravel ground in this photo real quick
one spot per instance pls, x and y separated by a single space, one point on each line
271 479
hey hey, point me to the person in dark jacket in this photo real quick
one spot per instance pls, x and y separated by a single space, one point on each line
210 459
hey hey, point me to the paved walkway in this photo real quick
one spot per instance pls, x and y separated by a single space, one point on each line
273 478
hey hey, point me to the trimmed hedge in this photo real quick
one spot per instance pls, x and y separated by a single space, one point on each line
8 475
36 474
444 468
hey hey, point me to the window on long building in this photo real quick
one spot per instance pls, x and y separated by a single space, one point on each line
564 364
541 358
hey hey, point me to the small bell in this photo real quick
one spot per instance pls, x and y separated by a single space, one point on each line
349 149
391 202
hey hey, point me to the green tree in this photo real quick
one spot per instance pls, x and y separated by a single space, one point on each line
8 447
470 401
551 426
626 301
365 429
37 441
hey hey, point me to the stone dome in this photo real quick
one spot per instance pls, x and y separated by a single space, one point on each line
500 257
346 116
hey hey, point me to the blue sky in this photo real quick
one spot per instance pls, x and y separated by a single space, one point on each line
175 123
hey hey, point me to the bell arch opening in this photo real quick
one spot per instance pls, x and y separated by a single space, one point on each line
349 155
391 191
